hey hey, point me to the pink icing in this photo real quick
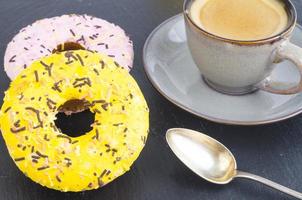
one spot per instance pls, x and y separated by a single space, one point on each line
40 38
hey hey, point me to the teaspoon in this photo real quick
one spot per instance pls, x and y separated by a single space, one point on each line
211 160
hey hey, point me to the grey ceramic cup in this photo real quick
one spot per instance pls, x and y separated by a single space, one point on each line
240 67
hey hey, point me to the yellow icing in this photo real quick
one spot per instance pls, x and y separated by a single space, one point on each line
89 161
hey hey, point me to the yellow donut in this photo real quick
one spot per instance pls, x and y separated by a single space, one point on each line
55 160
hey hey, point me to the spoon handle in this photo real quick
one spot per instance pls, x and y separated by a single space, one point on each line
269 183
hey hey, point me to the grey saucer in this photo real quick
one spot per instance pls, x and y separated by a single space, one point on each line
171 70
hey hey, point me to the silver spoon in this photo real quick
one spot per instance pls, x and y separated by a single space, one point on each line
211 160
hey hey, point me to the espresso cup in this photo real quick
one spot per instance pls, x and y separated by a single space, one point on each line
239 67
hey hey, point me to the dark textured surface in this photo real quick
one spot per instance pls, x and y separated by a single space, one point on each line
273 151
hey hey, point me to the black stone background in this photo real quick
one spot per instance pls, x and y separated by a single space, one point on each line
273 151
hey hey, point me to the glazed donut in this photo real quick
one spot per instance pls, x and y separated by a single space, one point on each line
55 160
67 32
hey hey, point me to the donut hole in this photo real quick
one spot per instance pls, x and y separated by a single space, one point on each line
74 118
68 46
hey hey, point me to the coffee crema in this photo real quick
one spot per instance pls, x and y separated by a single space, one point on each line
240 19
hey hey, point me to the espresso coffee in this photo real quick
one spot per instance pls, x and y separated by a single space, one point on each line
240 19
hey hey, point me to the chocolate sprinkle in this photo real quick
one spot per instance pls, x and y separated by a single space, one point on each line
17 130
108 172
51 104
102 63
21 96
79 82
58 179
80 59
38 116
56 86
43 168
97 111
53 127
116 63
19 159
99 101
35 157
47 67
74 142
70 57
65 137
97 134
103 173
81 39
7 109
41 155
68 164
45 138
113 153
100 182
36 76
17 124
71 31
96 71
105 106
118 124
12 59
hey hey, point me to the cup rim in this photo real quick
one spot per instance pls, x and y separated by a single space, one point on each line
291 25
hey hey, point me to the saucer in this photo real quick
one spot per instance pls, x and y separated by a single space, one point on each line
171 70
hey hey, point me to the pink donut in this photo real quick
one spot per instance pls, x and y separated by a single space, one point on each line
67 32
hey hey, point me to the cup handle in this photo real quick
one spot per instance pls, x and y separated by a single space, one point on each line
293 53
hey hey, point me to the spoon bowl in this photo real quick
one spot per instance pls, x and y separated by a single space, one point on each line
211 160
